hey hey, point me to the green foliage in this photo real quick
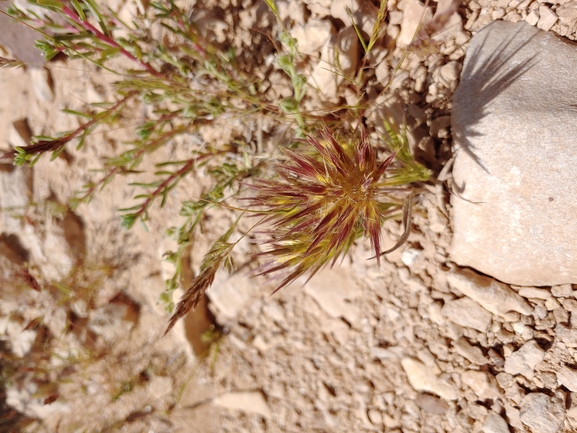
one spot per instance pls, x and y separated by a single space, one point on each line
329 189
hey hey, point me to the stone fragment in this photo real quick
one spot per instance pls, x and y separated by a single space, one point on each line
249 402
541 413
483 384
19 339
567 377
230 294
313 36
42 84
363 12
511 216
15 195
424 378
414 15
431 403
524 360
292 10
339 59
532 18
495 424
563 291
547 18
534 292
567 12
334 289
492 295
472 353
567 335
27 400
466 312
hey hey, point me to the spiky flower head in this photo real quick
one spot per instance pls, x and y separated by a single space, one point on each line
326 194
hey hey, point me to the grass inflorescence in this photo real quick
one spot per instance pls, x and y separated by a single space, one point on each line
329 187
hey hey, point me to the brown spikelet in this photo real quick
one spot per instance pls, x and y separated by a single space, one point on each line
326 195
218 256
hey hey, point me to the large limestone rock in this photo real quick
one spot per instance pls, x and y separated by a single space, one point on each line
515 126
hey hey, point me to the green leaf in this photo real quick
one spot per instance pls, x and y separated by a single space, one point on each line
272 5
50 4
77 113
79 10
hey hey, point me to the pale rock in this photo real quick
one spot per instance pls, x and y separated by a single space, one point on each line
409 256
292 10
364 13
567 335
532 18
542 414
483 384
514 416
552 304
25 400
414 15
375 417
472 353
567 12
495 424
248 402
230 294
42 84
15 195
159 386
533 292
496 358
466 312
563 291
449 73
431 403
20 340
547 18
109 321
319 8
334 290
524 360
476 411
492 295
452 28
339 59
313 36
424 378
511 216
436 314
572 417
386 354
567 377
49 250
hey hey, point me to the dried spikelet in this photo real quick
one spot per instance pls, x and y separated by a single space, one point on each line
217 257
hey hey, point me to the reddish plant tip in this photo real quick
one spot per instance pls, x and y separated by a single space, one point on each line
326 194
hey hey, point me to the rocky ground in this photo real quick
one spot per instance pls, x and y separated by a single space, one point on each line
419 345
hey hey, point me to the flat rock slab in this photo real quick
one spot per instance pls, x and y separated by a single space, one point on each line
514 125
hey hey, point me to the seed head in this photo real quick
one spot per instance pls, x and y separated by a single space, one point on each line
326 194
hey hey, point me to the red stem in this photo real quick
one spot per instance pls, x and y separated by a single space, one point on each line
170 179
72 15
